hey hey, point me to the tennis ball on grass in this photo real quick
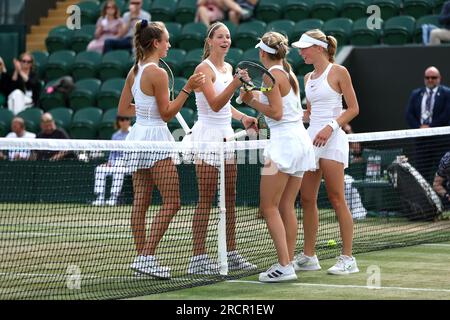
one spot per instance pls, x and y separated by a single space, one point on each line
331 243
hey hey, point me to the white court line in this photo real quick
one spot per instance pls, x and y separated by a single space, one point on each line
348 286
435 244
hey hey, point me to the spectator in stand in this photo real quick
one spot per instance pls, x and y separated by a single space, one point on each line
25 84
108 26
18 131
4 82
442 34
129 19
49 131
209 11
441 183
243 13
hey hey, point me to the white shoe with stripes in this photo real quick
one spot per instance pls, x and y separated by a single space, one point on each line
278 273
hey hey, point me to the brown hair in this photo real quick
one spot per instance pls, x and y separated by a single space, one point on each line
27 53
279 42
332 42
209 35
116 8
144 35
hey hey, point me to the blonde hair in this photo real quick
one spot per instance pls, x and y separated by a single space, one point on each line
209 35
144 35
330 40
280 43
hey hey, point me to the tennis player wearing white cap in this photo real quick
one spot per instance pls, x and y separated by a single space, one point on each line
324 88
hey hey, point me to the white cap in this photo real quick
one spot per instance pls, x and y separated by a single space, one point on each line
265 47
307 41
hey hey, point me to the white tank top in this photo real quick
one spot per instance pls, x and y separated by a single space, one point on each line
205 113
326 103
147 112
292 111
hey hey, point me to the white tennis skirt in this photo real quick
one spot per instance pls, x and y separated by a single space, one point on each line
336 147
145 160
291 149
202 133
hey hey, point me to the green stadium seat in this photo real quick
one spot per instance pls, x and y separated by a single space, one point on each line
146 5
90 11
84 94
304 68
58 38
231 27
297 10
354 9
251 54
114 64
186 11
52 100
59 64
85 123
81 37
32 118
163 10
437 6
325 9
301 83
85 65
174 59
340 28
247 34
294 59
174 29
388 8
303 26
107 126
285 27
193 58
236 124
6 117
188 115
2 100
109 94
399 30
269 10
233 56
192 36
180 82
429 19
40 61
417 8
62 117
362 35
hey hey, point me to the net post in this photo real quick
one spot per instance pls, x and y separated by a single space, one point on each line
221 230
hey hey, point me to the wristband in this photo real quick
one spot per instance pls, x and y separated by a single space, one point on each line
446 195
185 91
334 125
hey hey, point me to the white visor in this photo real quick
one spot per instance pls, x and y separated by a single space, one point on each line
265 47
307 41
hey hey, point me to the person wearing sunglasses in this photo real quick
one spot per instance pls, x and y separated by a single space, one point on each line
126 32
25 84
429 106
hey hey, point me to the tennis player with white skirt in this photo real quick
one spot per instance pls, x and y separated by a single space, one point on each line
214 124
324 88
288 155
148 84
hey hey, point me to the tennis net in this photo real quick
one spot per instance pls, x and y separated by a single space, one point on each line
69 231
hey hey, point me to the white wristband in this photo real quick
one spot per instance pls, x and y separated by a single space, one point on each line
334 125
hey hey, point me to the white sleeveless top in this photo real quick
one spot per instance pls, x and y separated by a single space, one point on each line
326 103
147 112
292 110
205 113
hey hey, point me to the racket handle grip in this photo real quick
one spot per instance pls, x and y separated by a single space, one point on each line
237 136
239 100
183 123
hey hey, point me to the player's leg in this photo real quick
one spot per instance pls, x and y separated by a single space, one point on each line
100 184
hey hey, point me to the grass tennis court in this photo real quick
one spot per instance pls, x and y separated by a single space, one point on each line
43 245
417 272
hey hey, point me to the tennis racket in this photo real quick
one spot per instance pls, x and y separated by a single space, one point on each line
259 78
165 66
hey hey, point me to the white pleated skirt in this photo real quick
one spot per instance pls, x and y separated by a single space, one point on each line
147 159
290 149
336 148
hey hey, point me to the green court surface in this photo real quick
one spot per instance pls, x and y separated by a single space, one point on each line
417 272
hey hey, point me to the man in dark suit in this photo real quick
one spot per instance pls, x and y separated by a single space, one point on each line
428 107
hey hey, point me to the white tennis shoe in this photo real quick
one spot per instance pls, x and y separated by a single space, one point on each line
303 262
98 202
238 262
203 265
148 265
344 266
278 273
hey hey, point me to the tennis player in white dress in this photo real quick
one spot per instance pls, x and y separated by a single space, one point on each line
288 155
324 88
148 85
